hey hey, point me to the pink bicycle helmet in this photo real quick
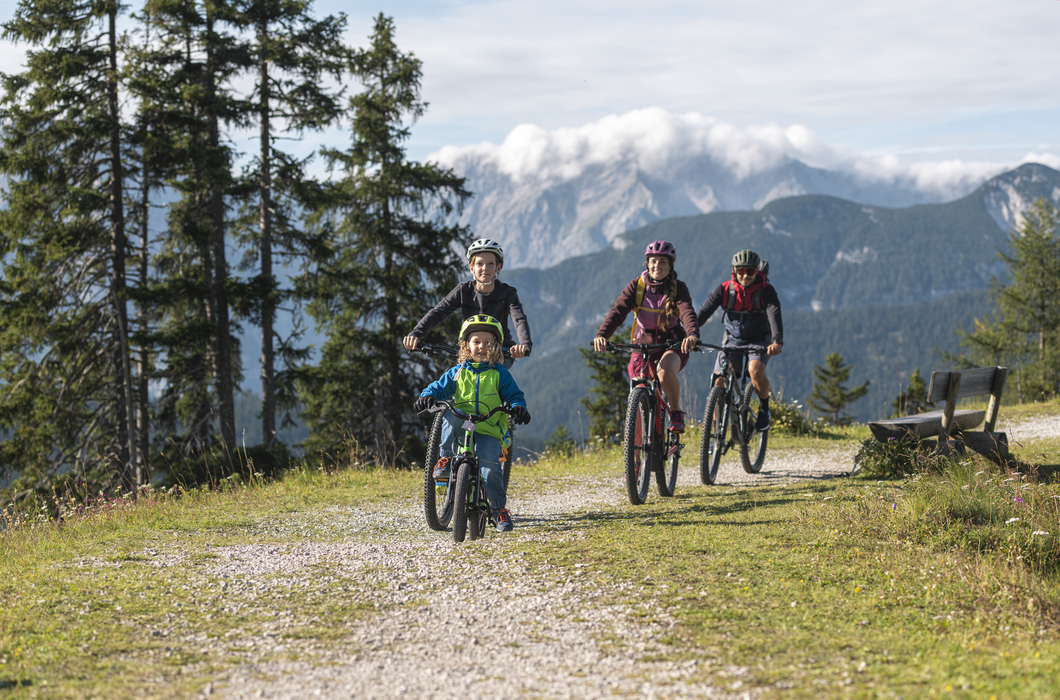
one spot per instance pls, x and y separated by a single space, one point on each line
661 248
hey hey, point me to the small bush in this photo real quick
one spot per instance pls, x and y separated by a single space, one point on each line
790 418
897 458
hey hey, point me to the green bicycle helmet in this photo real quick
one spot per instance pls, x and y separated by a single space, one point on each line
746 258
482 322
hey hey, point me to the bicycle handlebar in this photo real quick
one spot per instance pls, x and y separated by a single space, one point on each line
742 350
434 350
446 405
646 348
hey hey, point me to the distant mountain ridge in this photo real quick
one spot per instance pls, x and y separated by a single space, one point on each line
550 196
883 286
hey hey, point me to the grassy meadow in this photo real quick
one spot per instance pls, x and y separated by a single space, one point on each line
933 585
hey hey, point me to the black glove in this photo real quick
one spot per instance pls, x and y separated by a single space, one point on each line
520 415
423 403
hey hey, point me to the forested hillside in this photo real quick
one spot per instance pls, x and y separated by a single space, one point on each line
884 287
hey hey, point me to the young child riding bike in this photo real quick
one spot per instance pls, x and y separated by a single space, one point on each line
482 295
479 383
661 305
751 317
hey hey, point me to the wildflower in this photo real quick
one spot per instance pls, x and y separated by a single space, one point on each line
1040 532
1017 499
894 506
891 439
964 488
1012 520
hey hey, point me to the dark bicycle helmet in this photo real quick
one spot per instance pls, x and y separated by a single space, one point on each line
661 248
481 322
485 245
746 258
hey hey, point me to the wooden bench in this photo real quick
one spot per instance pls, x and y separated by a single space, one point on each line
953 427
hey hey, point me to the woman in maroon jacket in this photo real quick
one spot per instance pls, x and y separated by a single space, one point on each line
664 308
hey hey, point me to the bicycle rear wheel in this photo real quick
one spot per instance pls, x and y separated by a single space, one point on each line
637 440
437 498
461 477
669 453
712 442
753 443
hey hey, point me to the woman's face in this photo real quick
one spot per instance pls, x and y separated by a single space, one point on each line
658 267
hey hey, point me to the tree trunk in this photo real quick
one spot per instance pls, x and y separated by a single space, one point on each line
143 320
219 292
123 372
268 309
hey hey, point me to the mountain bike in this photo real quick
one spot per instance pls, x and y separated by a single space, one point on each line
437 505
648 443
736 395
466 489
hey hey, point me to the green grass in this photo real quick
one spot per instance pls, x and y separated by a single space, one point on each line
832 588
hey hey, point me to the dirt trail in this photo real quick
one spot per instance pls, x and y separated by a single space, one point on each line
460 621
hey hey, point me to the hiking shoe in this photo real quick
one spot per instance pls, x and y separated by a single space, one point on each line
441 470
677 421
503 519
762 422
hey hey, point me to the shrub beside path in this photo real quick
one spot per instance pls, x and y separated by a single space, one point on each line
476 619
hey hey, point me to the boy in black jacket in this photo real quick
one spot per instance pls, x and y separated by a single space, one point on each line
482 295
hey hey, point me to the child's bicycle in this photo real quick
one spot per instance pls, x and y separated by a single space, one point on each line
737 395
437 507
465 492
649 444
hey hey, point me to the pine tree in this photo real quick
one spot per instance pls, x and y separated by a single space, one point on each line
606 402
293 54
1025 329
63 321
189 79
386 261
829 396
560 442
914 399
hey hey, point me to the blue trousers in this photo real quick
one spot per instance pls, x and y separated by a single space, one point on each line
488 451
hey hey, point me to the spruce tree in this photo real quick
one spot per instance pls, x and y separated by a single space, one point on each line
829 395
63 321
198 56
1024 330
387 259
294 53
606 402
913 399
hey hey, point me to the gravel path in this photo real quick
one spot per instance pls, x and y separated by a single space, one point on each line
475 619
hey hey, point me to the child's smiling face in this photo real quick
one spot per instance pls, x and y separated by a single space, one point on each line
479 344
485 268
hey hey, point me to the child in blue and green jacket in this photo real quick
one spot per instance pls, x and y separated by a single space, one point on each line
479 383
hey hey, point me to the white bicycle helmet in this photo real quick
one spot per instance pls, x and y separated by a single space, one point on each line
486 245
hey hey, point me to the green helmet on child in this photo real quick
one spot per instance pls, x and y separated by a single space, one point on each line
482 322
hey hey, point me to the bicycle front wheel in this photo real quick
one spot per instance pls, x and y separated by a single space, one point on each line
712 443
437 496
461 478
637 440
753 444
669 454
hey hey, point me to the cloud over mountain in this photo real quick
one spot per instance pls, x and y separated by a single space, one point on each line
548 195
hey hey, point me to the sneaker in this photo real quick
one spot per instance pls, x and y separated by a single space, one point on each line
762 422
677 421
441 470
503 519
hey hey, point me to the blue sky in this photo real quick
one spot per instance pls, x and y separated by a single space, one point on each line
923 81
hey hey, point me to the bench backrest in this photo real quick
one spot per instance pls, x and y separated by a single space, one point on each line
951 386
974 382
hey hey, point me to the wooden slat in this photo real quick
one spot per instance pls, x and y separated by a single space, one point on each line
976 382
940 384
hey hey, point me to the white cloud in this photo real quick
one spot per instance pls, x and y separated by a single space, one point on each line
660 144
